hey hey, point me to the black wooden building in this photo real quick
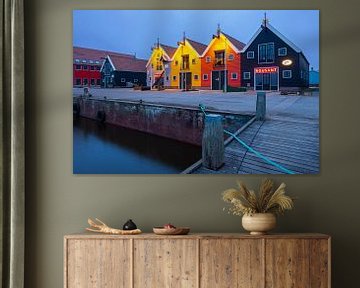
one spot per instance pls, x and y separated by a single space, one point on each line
272 62
119 71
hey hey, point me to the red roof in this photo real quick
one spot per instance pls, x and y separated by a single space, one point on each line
82 53
169 50
238 44
123 63
199 47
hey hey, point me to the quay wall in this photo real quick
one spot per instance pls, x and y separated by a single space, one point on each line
181 124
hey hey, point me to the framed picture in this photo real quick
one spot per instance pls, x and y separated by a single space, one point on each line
195 92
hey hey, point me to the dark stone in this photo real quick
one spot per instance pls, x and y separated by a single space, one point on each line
129 225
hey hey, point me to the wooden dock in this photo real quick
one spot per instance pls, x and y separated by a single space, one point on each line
292 143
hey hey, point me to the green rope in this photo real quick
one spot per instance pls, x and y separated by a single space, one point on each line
258 154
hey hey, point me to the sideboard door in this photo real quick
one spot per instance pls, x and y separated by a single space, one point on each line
231 263
297 263
170 263
98 263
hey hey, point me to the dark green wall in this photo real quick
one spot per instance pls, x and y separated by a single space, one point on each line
59 202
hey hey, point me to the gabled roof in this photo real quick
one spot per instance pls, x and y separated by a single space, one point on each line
277 33
123 63
199 47
169 50
235 44
83 53
238 44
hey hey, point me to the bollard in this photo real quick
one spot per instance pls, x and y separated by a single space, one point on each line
213 142
260 105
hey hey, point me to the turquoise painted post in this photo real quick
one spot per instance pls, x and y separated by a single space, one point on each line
213 142
260 106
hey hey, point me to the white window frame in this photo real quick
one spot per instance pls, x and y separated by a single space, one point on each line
76 81
205 77
78 69
208 59
283 74
246 75
232 74
248 55
136 80
280 49
231 57
122 80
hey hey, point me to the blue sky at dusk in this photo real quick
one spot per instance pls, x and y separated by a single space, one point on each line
135 31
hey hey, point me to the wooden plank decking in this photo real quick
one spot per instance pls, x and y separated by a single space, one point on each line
293 143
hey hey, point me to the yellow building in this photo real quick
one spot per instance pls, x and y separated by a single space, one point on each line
158 66
186 65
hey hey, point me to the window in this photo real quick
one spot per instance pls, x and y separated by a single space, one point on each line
122 80
234 75
97 62
246 75
98 68
174 78
150 78
219 58
78 81
286 74
205 76
176 62
266 53
83 61
85 67
166 65
136 80
159 67
92 82
250 55
185 62
85 82
193 61
208 59
231 57
167 78
282 51
78 67
196 77
98 82
92 67
91 61
77 60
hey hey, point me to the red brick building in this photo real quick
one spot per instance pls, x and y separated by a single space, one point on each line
87 63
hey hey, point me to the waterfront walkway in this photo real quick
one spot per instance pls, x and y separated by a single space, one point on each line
288 136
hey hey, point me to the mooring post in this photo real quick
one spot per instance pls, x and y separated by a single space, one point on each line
213 142
260 105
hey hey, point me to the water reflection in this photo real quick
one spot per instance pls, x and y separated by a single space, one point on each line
108 149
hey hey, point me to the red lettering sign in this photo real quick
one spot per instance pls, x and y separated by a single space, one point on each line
266 70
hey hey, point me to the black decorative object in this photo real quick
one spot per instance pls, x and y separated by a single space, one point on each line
129 225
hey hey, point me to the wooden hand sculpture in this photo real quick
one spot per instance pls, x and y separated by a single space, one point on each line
101 227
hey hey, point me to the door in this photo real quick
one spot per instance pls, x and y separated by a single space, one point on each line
218 80
185 81
163 263
231 263
266 81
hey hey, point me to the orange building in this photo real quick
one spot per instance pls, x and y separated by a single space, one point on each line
221 57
